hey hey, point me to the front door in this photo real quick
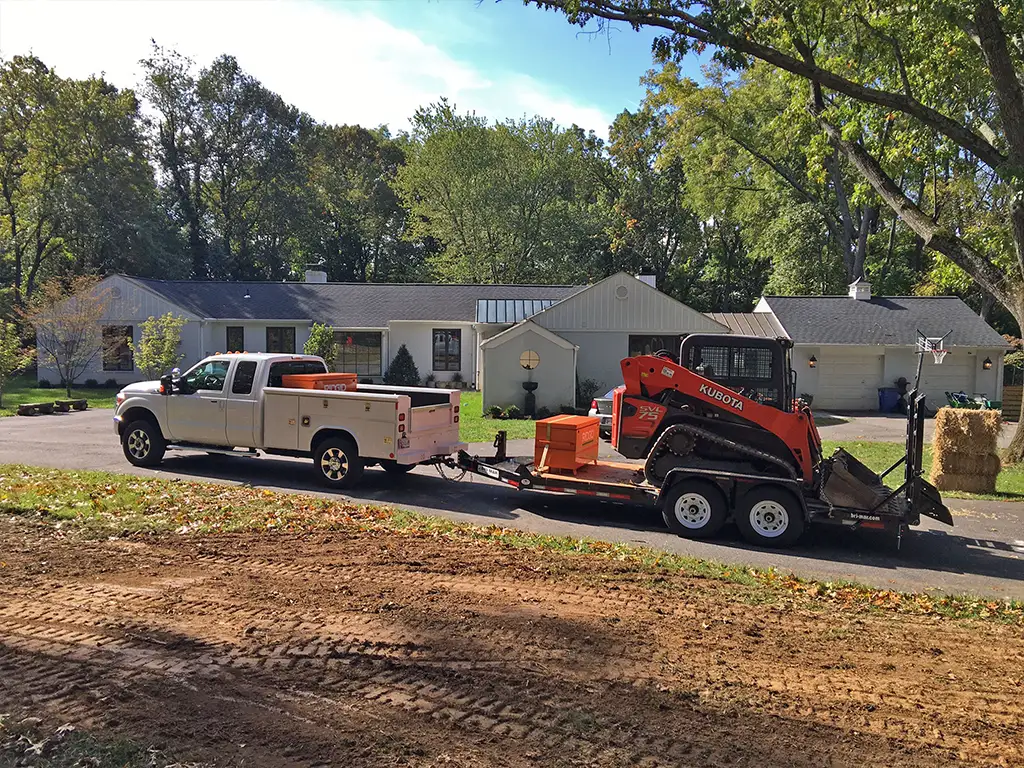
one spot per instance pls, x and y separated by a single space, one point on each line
198 414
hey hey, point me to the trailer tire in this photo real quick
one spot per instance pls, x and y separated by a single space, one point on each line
694 509
770 516
143 443
337 463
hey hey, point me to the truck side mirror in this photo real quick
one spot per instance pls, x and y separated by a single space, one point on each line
166 384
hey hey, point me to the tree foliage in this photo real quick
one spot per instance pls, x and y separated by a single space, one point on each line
321 343
158 350
13 356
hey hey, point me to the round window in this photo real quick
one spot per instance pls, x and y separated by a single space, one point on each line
529 359
621 292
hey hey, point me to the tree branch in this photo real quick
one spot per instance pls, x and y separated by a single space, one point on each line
932 235
702 29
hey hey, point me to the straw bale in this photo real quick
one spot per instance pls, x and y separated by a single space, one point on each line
966 464
959 430
969 483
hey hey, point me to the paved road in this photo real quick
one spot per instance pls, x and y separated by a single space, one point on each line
886 428
983 554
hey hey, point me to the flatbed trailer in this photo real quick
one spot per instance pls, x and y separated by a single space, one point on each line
889 509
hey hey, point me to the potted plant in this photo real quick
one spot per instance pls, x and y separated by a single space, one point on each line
457 380
430 380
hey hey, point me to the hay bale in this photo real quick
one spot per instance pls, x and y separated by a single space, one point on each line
966 464
964 456
958 430
945 481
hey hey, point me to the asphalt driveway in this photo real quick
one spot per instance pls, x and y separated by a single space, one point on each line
982 554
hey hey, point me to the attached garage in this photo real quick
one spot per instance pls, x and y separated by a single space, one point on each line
849 380
958 372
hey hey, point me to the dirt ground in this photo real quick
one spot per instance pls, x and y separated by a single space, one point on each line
390 650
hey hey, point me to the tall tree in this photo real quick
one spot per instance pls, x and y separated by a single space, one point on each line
227 146
76 191
945 71
356 223
512 202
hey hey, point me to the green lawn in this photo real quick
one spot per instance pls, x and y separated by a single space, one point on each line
476 428
881 456
22 390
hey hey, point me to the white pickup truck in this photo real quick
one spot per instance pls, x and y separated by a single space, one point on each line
233 401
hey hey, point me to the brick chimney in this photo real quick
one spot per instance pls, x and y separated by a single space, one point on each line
860 289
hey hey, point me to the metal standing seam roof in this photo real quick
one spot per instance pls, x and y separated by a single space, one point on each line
509 310
352 305
750 323
884 320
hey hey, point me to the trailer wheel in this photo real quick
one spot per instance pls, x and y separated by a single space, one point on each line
770 516
694 509
143 444
338 463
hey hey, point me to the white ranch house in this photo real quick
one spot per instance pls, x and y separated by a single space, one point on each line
477 333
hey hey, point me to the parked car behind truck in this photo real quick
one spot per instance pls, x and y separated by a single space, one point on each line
238 401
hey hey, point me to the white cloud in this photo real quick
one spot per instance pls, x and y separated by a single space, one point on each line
339 62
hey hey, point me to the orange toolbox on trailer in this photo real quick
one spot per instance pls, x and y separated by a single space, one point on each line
566 442
339 382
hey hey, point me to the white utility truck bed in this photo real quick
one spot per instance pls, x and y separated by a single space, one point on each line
237 401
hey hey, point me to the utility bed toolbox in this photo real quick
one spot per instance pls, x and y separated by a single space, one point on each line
338 382
566 442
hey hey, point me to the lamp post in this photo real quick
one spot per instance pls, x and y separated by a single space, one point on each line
528 361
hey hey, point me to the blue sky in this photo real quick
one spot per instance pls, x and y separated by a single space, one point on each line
357 61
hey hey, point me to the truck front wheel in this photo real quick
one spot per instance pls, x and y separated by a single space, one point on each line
142 443
338 463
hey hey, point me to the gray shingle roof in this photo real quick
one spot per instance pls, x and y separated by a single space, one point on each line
750 323
892 320
344 305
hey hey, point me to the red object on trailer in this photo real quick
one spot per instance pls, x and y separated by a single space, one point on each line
566 442
337 382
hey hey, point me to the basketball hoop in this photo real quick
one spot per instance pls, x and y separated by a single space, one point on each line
938 355
933 344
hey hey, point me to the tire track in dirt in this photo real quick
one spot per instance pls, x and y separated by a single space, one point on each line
615 677
883 710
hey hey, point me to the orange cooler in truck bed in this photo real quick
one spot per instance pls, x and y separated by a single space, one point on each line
339 382
566 442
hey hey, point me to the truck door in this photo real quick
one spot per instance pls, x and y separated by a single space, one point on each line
197 415
241 405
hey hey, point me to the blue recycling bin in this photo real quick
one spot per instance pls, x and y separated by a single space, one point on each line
888 399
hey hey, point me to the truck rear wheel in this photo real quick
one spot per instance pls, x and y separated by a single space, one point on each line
770 516
143 444
694 509
338 463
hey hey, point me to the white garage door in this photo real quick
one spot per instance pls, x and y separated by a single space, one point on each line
849 381
956 374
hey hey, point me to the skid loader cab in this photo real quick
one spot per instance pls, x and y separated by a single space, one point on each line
753 366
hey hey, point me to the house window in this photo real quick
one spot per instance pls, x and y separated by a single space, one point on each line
649 345
236 339
281 340
358 353
447 349
117 348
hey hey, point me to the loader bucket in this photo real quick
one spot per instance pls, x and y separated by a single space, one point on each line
851 484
